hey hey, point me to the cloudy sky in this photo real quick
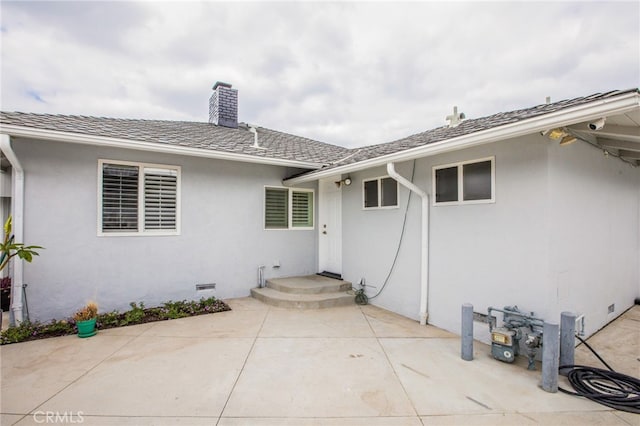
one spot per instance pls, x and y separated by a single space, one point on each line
349 73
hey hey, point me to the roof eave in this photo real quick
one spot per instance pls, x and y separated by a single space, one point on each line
594 110
51 135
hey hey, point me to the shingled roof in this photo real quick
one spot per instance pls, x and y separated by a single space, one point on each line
467 127
279 145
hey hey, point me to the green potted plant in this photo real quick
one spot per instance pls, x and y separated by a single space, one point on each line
86 320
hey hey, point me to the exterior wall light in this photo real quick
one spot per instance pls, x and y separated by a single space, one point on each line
346 181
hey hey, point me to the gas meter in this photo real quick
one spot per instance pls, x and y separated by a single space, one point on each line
505 340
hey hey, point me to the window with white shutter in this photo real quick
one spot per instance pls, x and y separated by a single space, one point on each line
301 209
276 201
160 198
286 208
138 198
119 198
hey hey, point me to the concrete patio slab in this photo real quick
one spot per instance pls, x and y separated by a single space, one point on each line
154 376
40 419
618 344
325 421
388 324
247 303
32 372
132 330
341 321
241 323
510 419
260 365
314 377
436 385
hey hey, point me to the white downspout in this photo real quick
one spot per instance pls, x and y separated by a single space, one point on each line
424 241
17 203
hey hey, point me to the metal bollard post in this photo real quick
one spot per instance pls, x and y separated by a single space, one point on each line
567 340
550 356
467 332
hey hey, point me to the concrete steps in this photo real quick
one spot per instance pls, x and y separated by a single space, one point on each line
307 292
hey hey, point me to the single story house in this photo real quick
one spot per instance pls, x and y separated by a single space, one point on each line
538 207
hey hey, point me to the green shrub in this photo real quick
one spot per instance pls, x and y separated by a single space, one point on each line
24 331
108 320
137 315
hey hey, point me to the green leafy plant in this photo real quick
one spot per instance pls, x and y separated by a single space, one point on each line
24 331
9 248
135 315
174 310
108 319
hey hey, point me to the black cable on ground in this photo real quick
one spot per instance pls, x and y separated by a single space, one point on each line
606 387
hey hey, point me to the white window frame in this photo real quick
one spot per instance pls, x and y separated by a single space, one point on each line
290 192
460 169
379 207
141 210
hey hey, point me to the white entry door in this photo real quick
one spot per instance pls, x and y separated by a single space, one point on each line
330 226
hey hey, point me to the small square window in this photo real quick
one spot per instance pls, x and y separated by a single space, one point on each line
380 192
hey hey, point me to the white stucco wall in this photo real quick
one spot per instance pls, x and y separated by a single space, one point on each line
594 233
222 238
561 235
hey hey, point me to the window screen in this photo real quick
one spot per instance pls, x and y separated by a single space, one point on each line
371 193
389 190
476 181
447 184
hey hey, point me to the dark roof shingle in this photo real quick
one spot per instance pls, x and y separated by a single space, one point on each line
467 127
279 145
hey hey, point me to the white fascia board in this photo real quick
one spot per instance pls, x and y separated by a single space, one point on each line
594 110
51 135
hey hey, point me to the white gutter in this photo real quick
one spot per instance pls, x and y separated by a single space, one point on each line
424 241
29 132
566 117
17 202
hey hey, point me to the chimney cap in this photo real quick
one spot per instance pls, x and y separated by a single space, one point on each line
220 83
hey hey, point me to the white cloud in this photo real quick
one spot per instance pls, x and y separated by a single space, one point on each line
346 73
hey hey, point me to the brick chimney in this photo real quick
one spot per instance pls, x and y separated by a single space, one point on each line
223 106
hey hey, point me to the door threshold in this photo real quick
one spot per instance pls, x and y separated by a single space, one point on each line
328 274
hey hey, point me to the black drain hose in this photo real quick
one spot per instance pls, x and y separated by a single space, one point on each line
606 387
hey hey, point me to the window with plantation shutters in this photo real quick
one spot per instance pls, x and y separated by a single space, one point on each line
119 198
160 195
276 214
301 209
138 198
286 208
